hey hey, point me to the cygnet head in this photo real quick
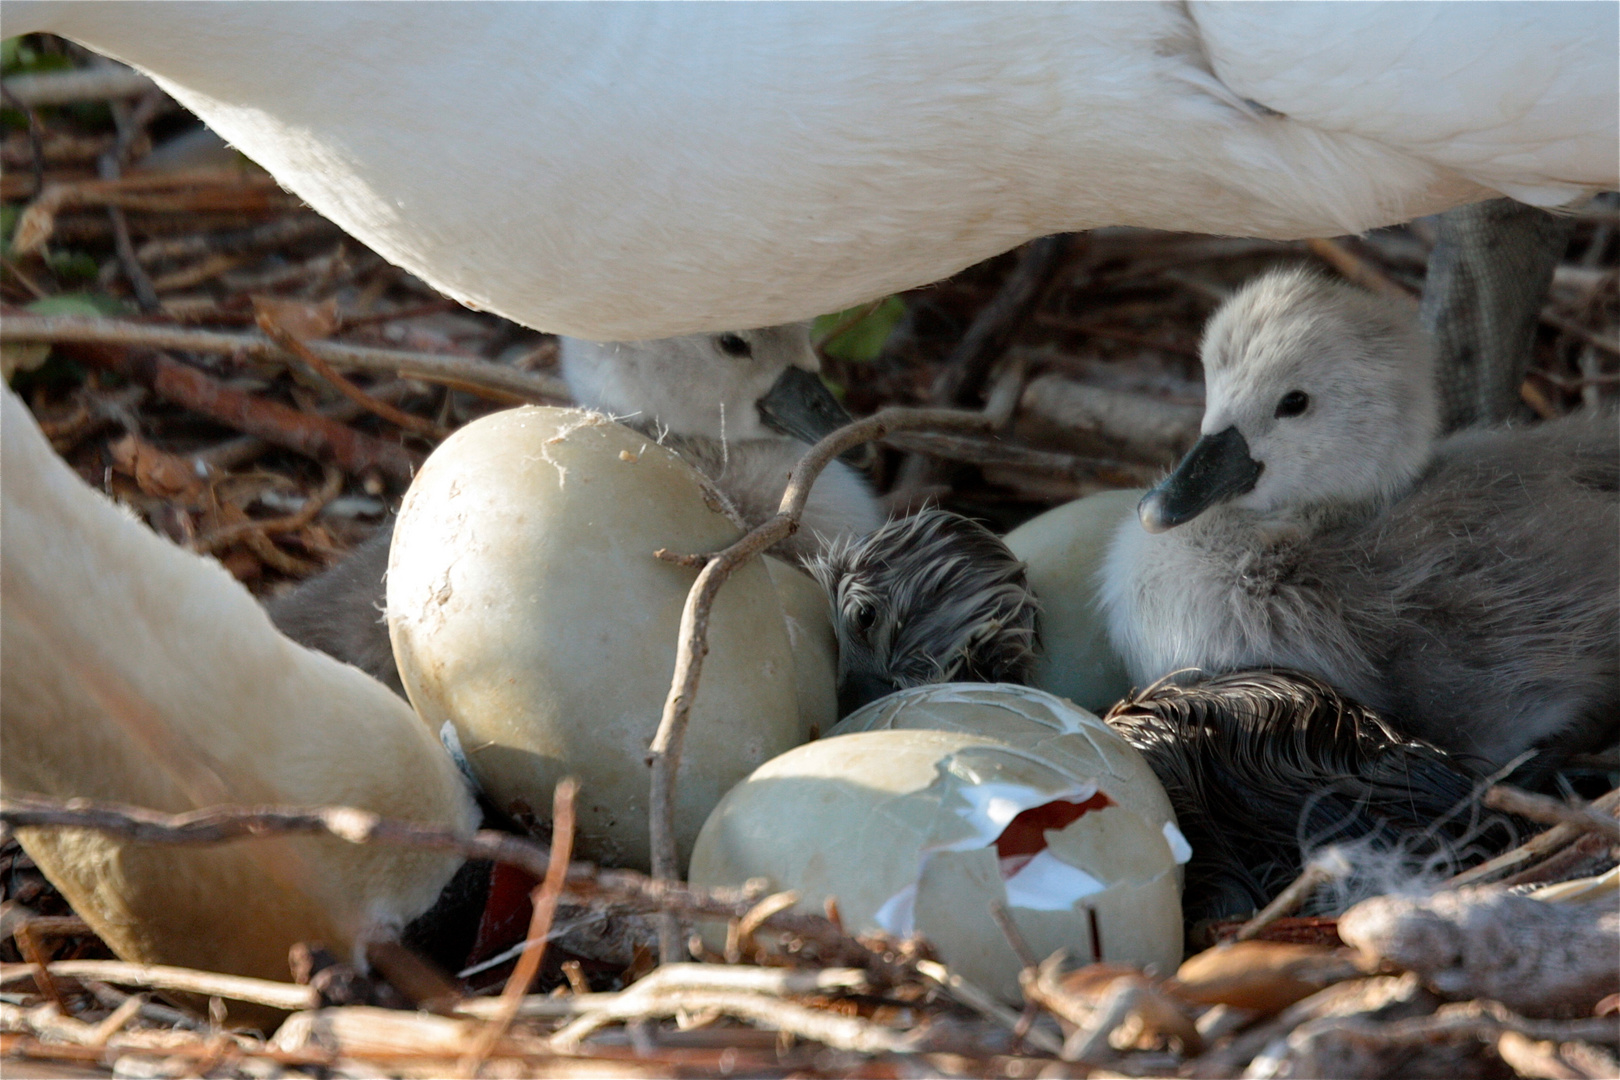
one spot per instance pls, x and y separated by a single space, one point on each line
935 597
1316 392
743 384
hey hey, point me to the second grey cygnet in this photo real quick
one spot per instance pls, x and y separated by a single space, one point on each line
1468 587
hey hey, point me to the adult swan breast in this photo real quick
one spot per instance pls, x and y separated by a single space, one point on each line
615 171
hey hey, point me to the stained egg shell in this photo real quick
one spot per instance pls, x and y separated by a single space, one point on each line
526 606
920 830
1058 732
1064 550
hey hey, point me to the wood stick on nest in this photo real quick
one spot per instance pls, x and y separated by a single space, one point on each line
477 376
664 756
626 890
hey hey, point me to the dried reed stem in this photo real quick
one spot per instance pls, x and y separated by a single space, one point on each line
478 376
664 756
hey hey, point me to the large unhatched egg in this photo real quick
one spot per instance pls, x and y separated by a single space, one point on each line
1064 550
923 830
528 609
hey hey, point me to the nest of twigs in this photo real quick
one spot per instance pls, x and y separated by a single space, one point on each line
259 387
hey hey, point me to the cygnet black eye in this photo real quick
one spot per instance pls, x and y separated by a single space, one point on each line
864 618
1293 403
734 345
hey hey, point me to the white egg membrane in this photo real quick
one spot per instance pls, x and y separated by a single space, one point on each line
976 812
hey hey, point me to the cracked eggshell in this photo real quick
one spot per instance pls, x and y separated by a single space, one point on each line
1064 550
1059 732
527 608
920 830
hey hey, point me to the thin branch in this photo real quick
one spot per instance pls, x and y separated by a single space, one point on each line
478 376
985 1005
964 371
665 753
1576 330
831 1029
310 434
110 167
1316 872
159 977
98 83
399 418
1553 840
1482 1020
995 452
534 947
331 484
1550 811
625 889
1358 270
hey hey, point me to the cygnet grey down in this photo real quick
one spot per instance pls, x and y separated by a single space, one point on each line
1469 588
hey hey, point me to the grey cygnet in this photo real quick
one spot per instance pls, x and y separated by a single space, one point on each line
1467 587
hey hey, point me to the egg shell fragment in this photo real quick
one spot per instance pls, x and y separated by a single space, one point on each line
903 828
526 606
1064 550
1058 732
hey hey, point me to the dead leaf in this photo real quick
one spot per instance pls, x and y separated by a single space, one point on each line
157 472
302 319
1261 976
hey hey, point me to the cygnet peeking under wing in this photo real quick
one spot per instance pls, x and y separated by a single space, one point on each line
741 407
1467 587
735 405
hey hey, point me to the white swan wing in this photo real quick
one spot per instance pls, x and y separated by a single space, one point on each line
1520 97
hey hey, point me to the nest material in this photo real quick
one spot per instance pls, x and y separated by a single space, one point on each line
1098 389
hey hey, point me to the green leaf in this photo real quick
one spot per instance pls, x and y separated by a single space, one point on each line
79 303
31 362
72 265
860 333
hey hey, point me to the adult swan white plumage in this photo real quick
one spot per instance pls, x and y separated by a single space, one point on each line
619 171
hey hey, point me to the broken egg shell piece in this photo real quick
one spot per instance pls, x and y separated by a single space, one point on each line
527 609
1063 551
1056 731
922 830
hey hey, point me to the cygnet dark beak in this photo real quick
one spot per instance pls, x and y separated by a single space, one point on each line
857 688
800 406
1217 468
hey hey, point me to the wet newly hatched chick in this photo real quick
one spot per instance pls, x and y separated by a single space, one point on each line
740 407
1467 588
934 597
1266 767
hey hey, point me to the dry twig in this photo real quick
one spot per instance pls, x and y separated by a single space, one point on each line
1550 811
981 1002
476 376
534 948
1358 270
626 889
160 977
1316 872
1544 844
398 417
331 484
306 433
664 755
